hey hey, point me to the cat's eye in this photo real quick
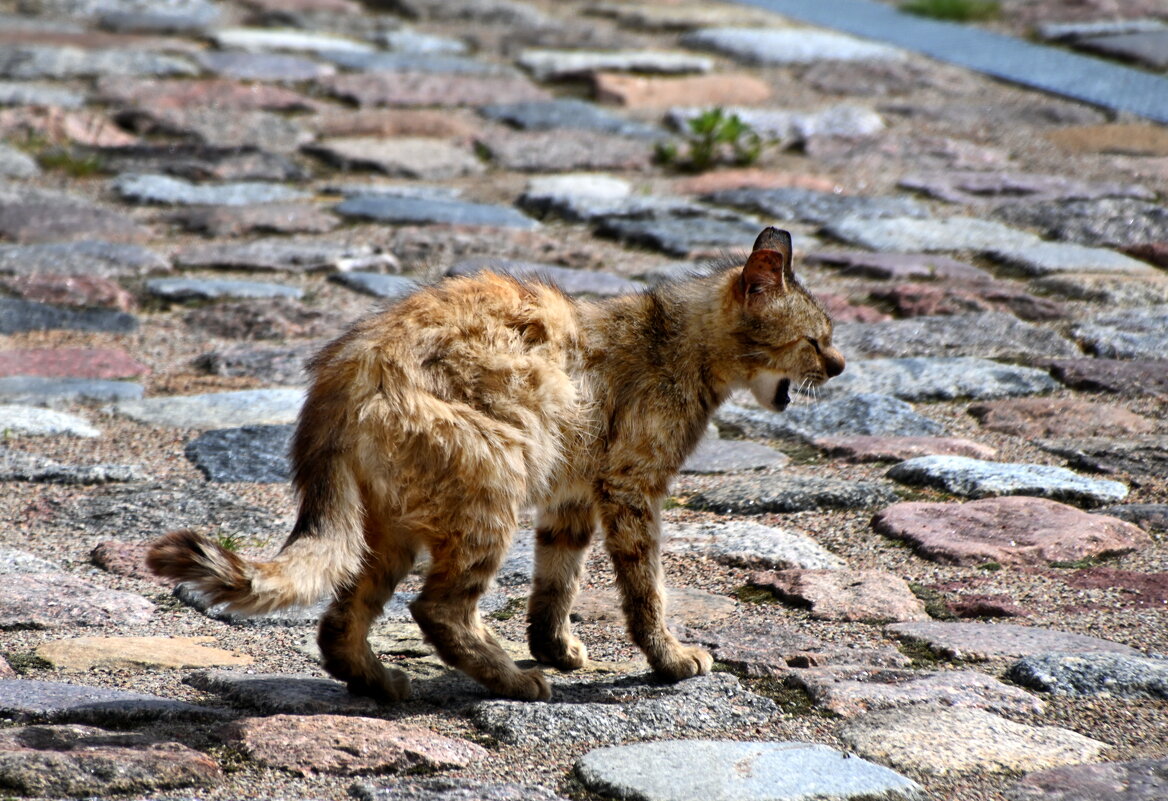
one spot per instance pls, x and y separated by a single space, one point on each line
814 343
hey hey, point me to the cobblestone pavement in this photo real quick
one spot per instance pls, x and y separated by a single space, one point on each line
946 576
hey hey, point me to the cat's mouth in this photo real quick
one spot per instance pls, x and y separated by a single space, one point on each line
782 397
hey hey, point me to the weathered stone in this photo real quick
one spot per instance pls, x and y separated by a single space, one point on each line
806 205
30 421
25 700
788 45
430 89
992 335
978 642
201 162
30 215
957 740
80 761
1093 674
1107 222
1008 531
435 63
849 595
348 746
213 93
1132 588
126 559
28 93
751 178
16 163
896 449
1032 418
554 65
758 495
222 128
263 66
283 254
1114 376
1148 516
106 363
278 318
714 455
973 478
864 413
429 159
408 40
443 789
638 91
758 771
1130 334
560 150
575 282
278 365
431 211
271 218
1146 48
746 544
184 289
86 653
1050 258
430 123
944 378
899 266
1107 290
277 693
626 708
76 291
850 691
20 466
217 410
1131 139
842 310
24 315
58 600
845 122
969 187
379 285
682 234
1140 456
252 453
263 39
985 605
164 190
1137 780
922 300
14 562
25 61
912 234
587 196
689 606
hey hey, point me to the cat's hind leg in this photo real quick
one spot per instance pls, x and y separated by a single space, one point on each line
462 566
562 535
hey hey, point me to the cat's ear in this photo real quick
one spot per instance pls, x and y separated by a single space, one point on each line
768 269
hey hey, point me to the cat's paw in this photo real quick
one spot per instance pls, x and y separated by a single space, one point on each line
684 662
567 654
527 685
390 687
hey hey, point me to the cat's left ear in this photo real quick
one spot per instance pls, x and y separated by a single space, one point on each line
769 267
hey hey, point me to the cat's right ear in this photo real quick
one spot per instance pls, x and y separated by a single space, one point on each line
769 267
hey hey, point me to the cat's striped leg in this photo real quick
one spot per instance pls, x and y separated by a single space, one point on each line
562 534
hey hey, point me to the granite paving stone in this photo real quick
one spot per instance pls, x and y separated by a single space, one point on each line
974 478
282 365
1120 377
931 234
25 315
978 642
20 466
845 121
580 196
409 40
185 289
82 654
16 163
379 285
1148 516
1070 31
969 187
1134 780
572 281
273 319
283 254
788 45
806 205
561 113
565 149
843 594
1130 588
165 190
431 211
688 770
863 413
201 162
899 266
76 291
760 495
862 448
551 65
625 708
1146 48
27 700
85 258
941 378
1013 531
250 453
222 128
61 601
139 93
216 410
1082 675
264 39
429 159
642 91
263 66
745 544
29 215
1141 456
685 605
1106 222
30 421
989 335
681 234
100 363
30 61
436 63
1140 333
1051 258
32 93
1031 418
277 693
48 391
958 740
126 559
1107 290
925 300
271 218
429 89
444 789
714 455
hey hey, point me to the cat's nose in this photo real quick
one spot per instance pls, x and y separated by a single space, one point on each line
833 363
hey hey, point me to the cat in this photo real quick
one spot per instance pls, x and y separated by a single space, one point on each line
433 423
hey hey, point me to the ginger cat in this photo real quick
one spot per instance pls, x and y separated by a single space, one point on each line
433 423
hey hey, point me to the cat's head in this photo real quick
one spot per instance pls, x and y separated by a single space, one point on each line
785 333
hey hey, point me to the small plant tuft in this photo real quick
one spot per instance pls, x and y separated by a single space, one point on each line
935 606
513 608
72 164
714 137
755 595
953 10
229 542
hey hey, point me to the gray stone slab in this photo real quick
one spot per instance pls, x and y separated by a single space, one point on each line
626 708
43 391
282 254
759 495
451 789
574 282
718 770
14 562
431 211
425 158
1082 675
899 266
29 93
1052 258
742 543
408 40
88 257
282 366
584 196
440 63
179 21
978 642
63 601
264 39
863 413
276 693
263 66
806 205
1105 222
682 235
1140 333
1069 31
26 315
249 453
24 421
181 289
1146 48
545 115
168 191
28 700
765 46
21 466
1045 68
379 285
45 61
790 128
559 64
991 335
1139 456
217 410
16 163
565 149
929 235
975 478
931 379
715 455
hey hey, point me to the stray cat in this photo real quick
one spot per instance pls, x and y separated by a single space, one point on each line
433 423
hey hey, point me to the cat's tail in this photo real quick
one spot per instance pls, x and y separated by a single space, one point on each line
324 552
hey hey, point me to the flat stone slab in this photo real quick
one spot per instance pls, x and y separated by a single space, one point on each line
1129 334
221 128
432 211
379 285
973 186
1137 780
271 365
1148 516
847 595
974 478
32 216
280 693
283 254
36 422
959 740
1141 590
85 653
565 149
693 770
261 39
991 335
25 700
17 316
45 61
1139 456
20 466
91 363
196 160
932 234
845 122
569 112
32 93
625 708
686 605
250 407
896 449
572 281
168 191
779 46
864 413
71 761
1120 377
681 235
551 65
753 496
183 289
263 66
850 691
59 600
85 258
342 745
745 544
430 89
806 205
443 789
40 390
249 453
941 378
1146 48
271 218
1011 531
74 291
1081 675
924 300
979 642
715 455
1053 258
424 158
1032 418
1106 222
898 266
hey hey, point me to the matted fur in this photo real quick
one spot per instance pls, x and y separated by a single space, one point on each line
432 424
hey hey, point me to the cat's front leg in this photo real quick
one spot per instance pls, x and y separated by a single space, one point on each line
631 520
